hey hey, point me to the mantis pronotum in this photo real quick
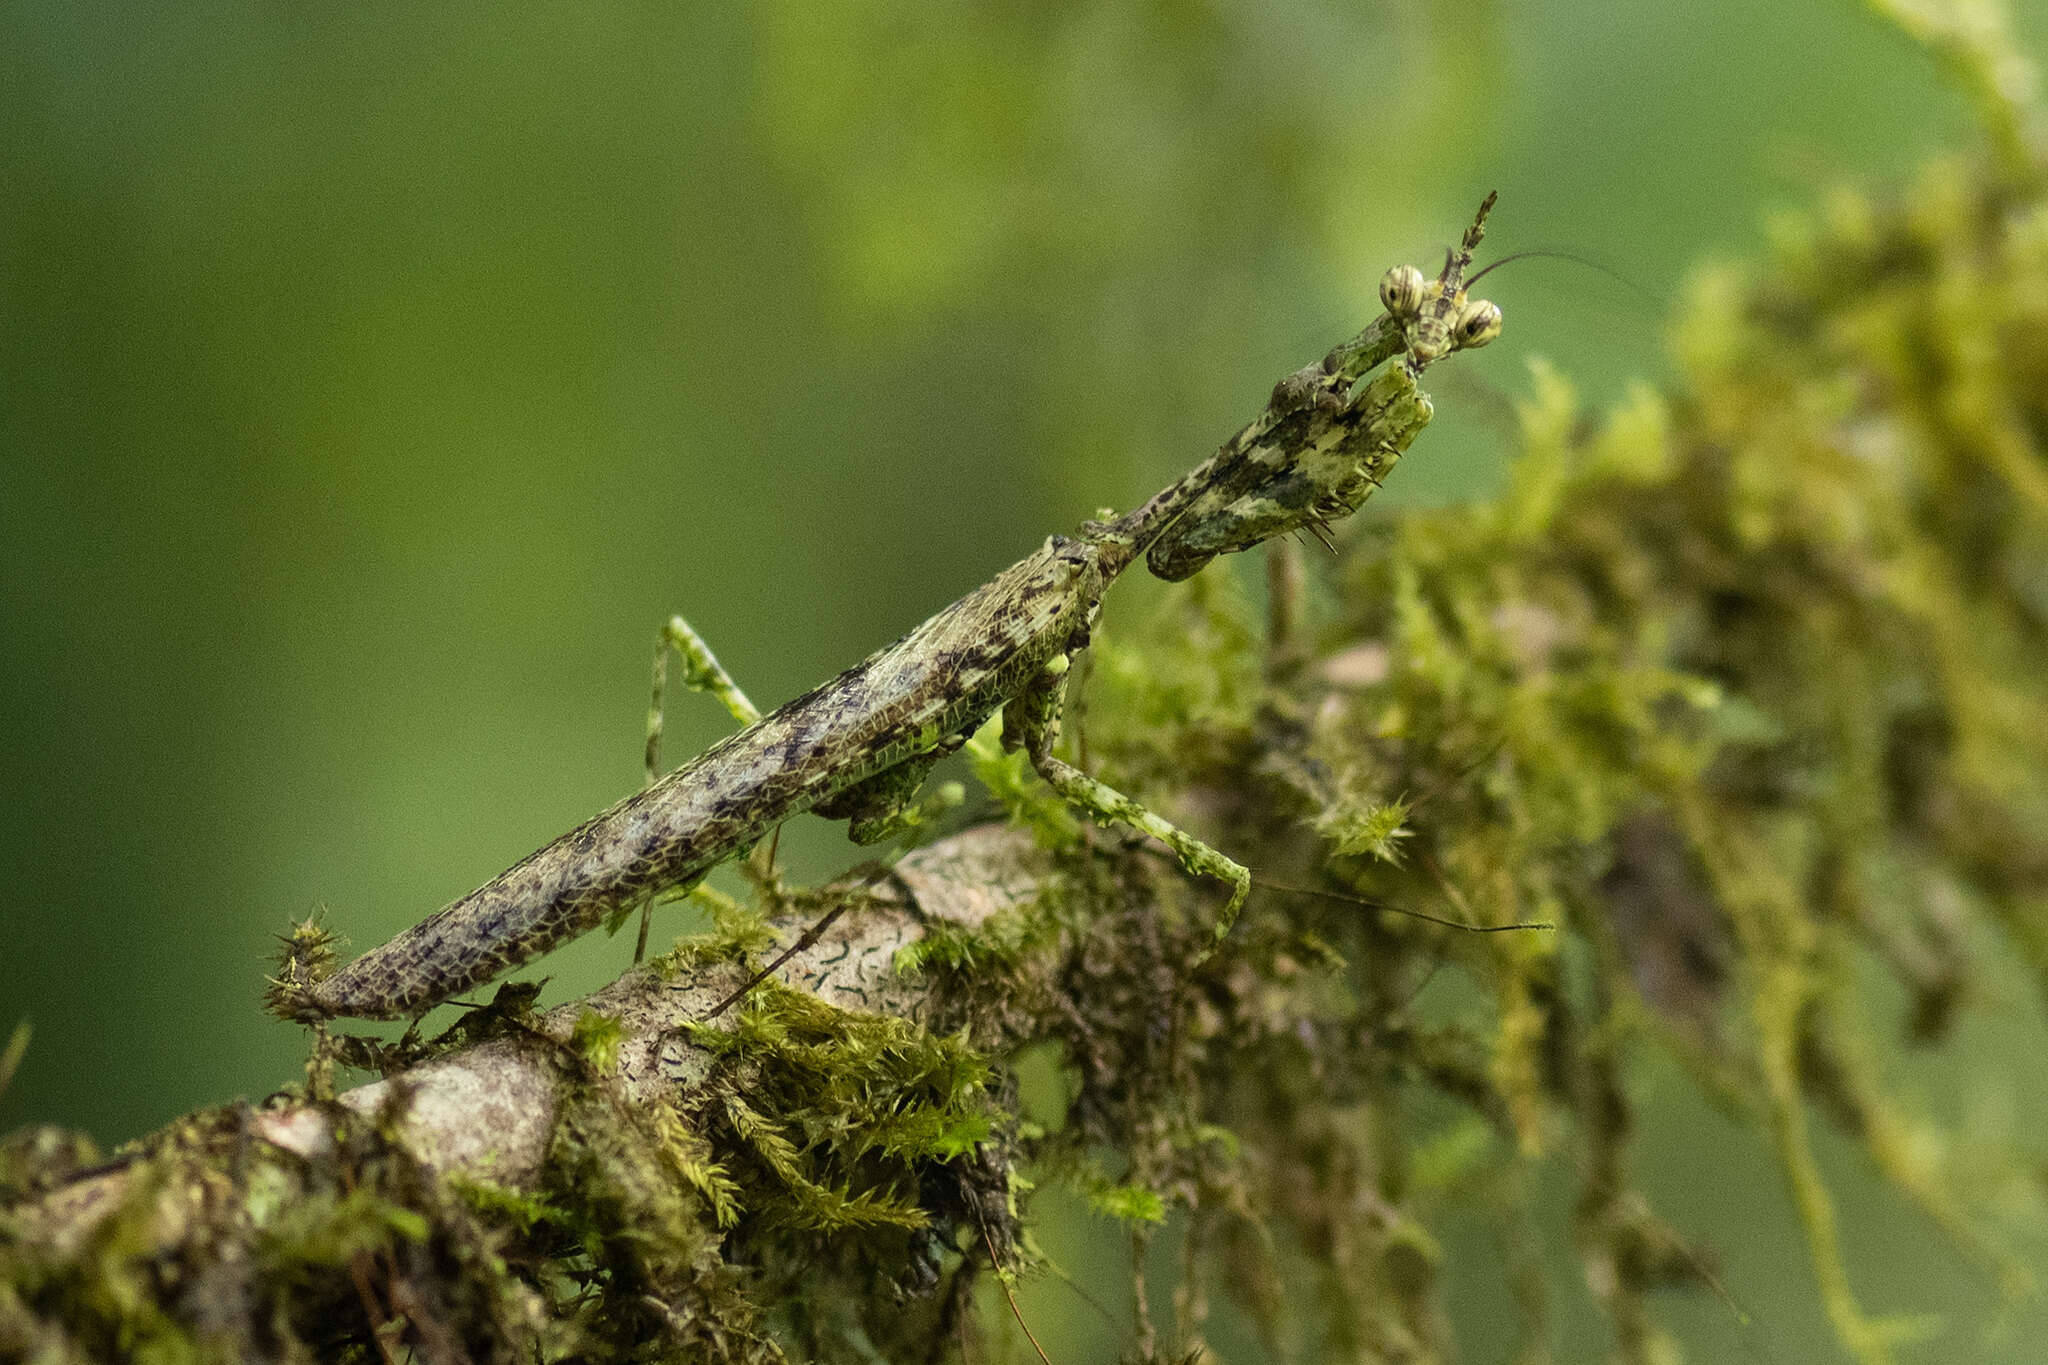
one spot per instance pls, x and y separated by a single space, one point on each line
858 747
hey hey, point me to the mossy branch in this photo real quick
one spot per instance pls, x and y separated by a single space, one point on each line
617 1130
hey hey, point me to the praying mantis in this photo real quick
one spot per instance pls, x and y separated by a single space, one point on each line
858 747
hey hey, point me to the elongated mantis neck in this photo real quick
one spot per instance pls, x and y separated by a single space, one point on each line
1133 533
1429 320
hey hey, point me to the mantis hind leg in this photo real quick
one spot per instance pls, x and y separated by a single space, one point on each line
701 672
1031 721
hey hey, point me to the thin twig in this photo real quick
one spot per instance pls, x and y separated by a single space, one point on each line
996 1261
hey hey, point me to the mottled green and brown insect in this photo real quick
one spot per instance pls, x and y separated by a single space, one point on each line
1306 472
858 747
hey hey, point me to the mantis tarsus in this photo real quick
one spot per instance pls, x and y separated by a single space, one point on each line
858 747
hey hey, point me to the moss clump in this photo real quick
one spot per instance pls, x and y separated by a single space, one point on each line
1742 684
871 1153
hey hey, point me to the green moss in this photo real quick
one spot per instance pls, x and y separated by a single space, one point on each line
1365 828
596 1038
1127 1203
497 1203
737 932
997 947
860 1104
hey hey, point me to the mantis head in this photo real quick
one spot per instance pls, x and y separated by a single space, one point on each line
1435 316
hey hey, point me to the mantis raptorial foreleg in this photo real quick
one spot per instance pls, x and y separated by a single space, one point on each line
1031 721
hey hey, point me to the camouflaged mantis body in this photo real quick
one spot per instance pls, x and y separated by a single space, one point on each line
910 702
857 747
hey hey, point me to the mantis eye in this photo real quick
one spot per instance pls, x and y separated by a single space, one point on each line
1401 291
1477 323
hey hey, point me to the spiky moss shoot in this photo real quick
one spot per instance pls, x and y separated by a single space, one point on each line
596 1038
305 958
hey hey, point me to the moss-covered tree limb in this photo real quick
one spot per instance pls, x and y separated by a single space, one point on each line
563 1124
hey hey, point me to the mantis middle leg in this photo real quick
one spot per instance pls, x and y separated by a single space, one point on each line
1031 721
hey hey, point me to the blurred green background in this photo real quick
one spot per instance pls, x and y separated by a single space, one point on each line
374 378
